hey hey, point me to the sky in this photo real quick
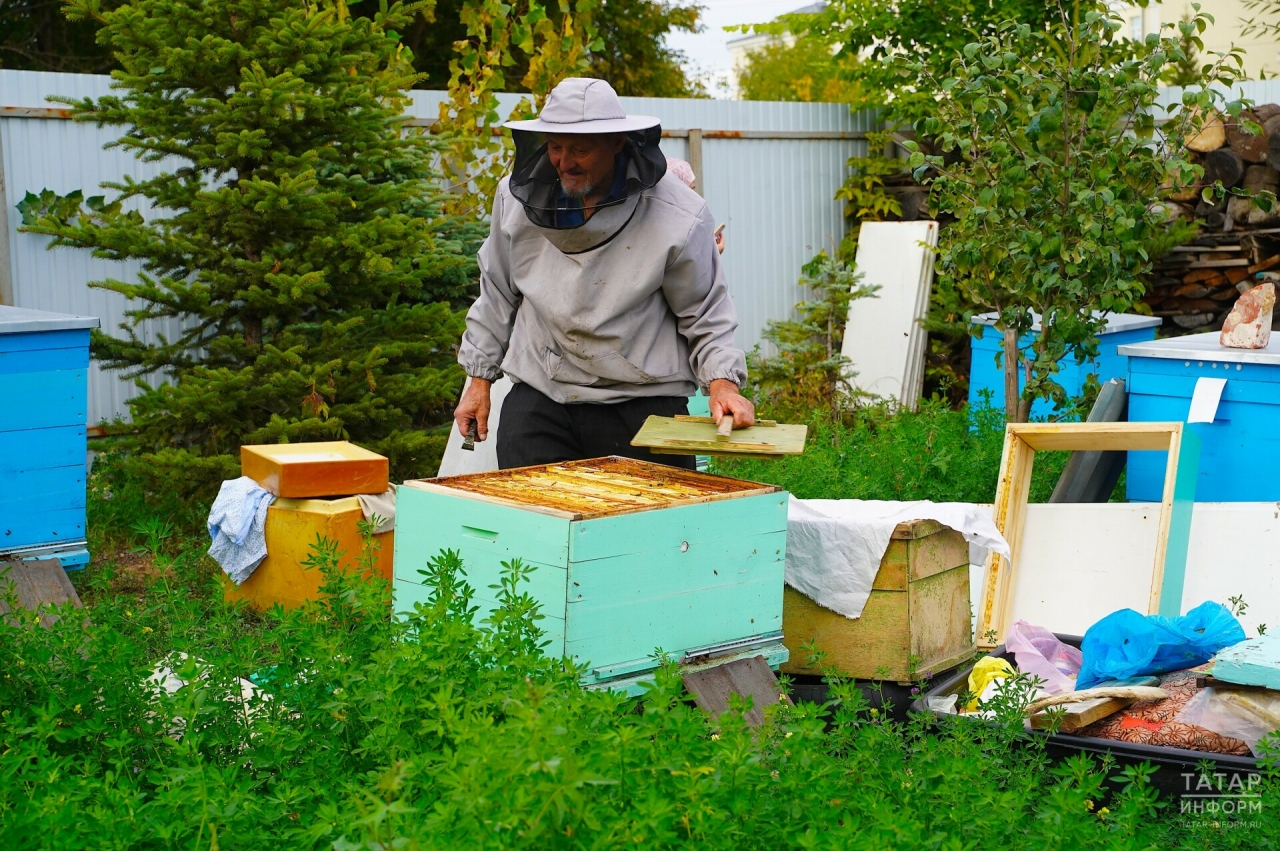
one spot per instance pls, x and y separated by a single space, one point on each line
708 57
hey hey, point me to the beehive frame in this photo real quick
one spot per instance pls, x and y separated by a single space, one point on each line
1023 440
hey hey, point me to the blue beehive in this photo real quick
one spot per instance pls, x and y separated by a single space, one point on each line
44 390
1238 450
986 374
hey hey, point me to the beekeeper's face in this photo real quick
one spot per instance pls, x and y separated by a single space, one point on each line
584 162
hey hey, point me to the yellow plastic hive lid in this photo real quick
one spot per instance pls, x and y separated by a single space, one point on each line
598 487
310 470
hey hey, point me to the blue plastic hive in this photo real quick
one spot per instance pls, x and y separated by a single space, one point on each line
1239 450
44 369
985 374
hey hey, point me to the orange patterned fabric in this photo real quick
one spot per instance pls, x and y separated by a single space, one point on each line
1152 722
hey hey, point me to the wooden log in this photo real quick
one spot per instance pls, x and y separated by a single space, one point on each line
1266 112
1202 276
1263 265
1223 166
1238 210
1235 276
1260 178
1273 151
1252 147
1212 135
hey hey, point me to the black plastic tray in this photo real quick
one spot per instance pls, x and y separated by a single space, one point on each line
1172 764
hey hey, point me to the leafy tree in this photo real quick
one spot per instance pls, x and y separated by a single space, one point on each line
1187 70
1052 169
879 38
632 53
803 70
808 372
296 231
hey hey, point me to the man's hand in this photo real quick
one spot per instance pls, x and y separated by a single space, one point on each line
474 405
725 399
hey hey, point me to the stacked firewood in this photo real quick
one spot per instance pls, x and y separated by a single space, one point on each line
1195 285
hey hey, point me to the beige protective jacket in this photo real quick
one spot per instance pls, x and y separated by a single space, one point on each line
645 314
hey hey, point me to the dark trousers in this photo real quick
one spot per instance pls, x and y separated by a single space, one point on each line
536 430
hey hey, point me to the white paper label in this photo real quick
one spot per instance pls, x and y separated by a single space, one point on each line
1205 399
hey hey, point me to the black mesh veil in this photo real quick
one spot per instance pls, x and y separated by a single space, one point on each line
535 184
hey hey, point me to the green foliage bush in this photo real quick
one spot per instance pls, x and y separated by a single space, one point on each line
432 732
935 453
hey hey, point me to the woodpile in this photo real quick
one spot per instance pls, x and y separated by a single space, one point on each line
1195 285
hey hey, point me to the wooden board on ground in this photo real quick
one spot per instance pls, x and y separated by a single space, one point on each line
36 585
1022 441
1084 713
752 678
884 339
698 436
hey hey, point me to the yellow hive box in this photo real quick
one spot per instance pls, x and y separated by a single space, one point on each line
917 620
292 528
306 470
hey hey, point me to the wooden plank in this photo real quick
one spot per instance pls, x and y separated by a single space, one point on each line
884 339
44 527
1173 535
36 585
711 688
38 491
1048 437
430 520
1079 715
1254 663
43 360
670 434
42 448
44 399
630 613
39 341
688 418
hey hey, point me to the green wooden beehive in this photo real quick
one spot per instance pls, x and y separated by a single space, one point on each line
630 556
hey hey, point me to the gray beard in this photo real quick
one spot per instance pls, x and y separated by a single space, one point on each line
577 194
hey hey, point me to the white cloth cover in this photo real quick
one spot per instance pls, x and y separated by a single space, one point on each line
238 526
381 505
834 546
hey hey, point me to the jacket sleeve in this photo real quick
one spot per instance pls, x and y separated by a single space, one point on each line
696 291
492 316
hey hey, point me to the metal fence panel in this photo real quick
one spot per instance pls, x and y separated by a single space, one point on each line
62 155
775 196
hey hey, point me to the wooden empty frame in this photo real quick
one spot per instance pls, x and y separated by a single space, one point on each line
1023 440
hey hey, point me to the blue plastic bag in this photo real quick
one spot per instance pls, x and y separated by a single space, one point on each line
1126 644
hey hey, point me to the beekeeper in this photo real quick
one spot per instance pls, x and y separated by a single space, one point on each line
602 296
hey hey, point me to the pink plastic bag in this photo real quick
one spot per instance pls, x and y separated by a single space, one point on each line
1039 653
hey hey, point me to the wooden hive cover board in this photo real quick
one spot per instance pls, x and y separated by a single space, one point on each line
690 436
884 339
597 487
315 470
36 585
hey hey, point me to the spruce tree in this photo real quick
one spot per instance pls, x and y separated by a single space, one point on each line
296 230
